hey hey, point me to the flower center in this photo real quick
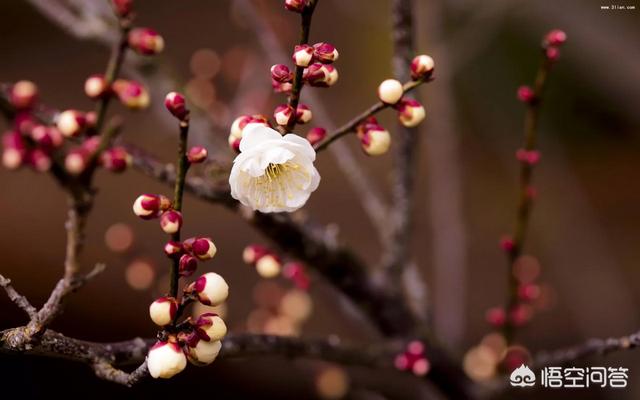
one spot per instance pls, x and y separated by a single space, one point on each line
279 183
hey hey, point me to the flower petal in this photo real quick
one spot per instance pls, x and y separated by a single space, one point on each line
255 134
302 143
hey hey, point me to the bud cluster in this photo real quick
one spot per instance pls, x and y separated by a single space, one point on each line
551 44
69 137
413 359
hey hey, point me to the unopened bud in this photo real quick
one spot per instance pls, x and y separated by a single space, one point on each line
14 150
531 157
390 91
146 41
147 206
122 8
283 114
46 137
507 244
212 326
238 125
40 160
552 53
173 249
131 94
295 5
71 123
252 253
302 55
116 159
171 221
325 53
303 114
410 112
176 104
422 67
526 94
375 141
166 359
96 86
163 310
202 247
284 87
23 95
187 265
268 266
210 288
204 353
316 135
280 73
556 37
75 162
197 154
320 75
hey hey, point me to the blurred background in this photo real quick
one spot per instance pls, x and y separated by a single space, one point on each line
585 232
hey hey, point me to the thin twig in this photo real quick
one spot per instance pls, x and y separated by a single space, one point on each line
17 298
294 97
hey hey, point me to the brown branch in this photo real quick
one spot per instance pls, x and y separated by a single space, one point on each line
18 299
294 97
350 126
396 253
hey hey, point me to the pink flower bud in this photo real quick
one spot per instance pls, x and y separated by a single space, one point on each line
552 53
96 86
47 138
252 253
375 141
197 154
23 95
75 162
166 359
71 123
283 114
496 317
422 67
131 94
280 73
163 310
421 367
210 288
410 112
176 104
201 247
507 244
187 265
40 160
316 135
390 91
528 292
320 75
302 55
303 114
212 326
173 249
297 274
281 87
204 353
526 94
14 150
556 37
147 206
531 157
24 122
325 53
122 8
268 266
295 5
116 159
146 41
171 221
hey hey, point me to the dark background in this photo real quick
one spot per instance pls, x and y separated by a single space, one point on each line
585 225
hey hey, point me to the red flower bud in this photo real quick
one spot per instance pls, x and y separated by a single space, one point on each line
197 154
325 53
283 114
148 206
507 244
526 94
422 67
187 265
146 41
116 159
280 73
555 37
23 95
171 221
131 94
176 104
46 137
552 53
295 5
320 75
238 125
201 247
531 157
303 114
316 135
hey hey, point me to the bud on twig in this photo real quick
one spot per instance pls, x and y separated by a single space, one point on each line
316 135
187 265
303 114
131 94
212 326
320 75
197 155
176 104
283 114
173 249
146 41
166 359
148 206
116 159
71 123
268 266
390 91
46 137
410 112
280 73
23 95
238 125
422 67
96 86
163 310
252 253
302 55
204 353
325 53
375 140
526 94
171 221
210 288
201 247
75 162
14 150
295 5
40 160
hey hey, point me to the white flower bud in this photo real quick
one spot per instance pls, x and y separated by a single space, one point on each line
204 353
211 289
166 359
268 266
410 112
375 141
422 67
212 325
71 122
390 91
163 310
302 55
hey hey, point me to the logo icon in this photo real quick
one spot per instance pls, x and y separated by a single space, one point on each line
522 377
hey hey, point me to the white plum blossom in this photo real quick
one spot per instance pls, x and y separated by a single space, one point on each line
273 173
